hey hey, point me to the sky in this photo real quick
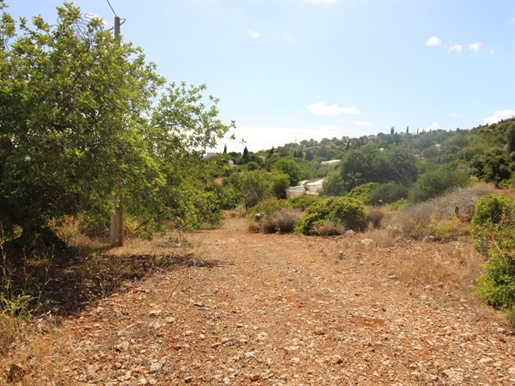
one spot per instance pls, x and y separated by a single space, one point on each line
287 71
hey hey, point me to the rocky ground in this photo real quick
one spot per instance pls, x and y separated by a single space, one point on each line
254 309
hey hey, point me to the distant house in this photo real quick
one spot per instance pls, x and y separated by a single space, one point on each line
295 191
210 155
310 187
332 162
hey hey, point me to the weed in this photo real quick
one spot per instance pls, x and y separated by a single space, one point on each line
330 228
375 217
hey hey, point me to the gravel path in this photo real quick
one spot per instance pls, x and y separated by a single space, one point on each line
287 309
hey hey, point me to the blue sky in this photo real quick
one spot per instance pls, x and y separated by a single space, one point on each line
286 71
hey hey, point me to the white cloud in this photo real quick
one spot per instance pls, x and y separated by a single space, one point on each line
322 109
499 115
492 51
456 48
454 115
475 46
264 137
253 35
289 38
433 41
363 123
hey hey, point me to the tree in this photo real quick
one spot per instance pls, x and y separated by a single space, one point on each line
437 181
254 187
225 149
280 182
245 154
510 135
291 169
78 120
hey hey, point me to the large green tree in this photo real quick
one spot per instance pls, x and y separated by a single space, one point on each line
83 116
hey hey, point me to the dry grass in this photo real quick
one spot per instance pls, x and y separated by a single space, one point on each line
444 218
385 265
375 217
282 221
330 228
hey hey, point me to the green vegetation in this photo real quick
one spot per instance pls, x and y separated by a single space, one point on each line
87 125
84 119
344 212
494 228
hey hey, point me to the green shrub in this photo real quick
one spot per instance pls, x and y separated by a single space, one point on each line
436 182
347 211
494 218
270 206
497 286
362 192
387 193
303 202
253 166
280 182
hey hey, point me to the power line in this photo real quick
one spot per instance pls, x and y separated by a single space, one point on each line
112 9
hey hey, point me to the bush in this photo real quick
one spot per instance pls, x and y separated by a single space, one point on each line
253 166
283 221
303 202
497 286
270 206
330 228
387 193
349 212
362 192
436 182
494 218
375 217
442 218
280 182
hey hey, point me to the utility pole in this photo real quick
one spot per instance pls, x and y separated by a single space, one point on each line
116 234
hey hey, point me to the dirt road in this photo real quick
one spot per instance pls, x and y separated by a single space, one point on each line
287 309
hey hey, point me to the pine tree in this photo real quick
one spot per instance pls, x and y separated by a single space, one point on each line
225 149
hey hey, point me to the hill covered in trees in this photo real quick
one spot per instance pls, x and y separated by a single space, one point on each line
391 167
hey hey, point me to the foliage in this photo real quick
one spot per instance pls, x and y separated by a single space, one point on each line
291 168
435 182
497 286
372 164
333 184
254 186
343 210
280 182
270 206
281 221
362 192
303 202
387 193
231 197
444 217
494 217
83 117
253 166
